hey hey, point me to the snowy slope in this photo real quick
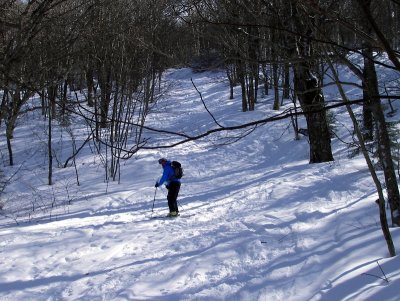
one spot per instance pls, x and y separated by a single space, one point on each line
258 222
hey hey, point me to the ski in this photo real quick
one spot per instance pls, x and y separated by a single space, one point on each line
171 217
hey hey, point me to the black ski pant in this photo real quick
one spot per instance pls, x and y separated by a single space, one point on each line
173 191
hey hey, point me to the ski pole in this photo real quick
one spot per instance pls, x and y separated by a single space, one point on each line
180 205
152 209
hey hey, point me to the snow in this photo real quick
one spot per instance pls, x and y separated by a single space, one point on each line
258 222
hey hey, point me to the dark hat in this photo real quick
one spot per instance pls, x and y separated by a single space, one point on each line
160 161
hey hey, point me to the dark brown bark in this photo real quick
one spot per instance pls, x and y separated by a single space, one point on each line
312 103
371 89
384 148
308 91
242 81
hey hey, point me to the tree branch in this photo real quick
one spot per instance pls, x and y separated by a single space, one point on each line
205 106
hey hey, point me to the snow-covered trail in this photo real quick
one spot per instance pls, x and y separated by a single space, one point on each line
261 223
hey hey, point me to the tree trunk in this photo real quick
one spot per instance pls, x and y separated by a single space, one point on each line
230 75
276 84
242 81
381 200
309 93
368 130
312 102
52 95
64 97
382 136
250 92
265 78
10 152
50 154
90 86
286 83
13 109
384 147
105 87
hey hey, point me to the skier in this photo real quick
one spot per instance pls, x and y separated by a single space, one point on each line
172 184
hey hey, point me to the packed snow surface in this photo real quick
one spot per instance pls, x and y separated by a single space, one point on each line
258 222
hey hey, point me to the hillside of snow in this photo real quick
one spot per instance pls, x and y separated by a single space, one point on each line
258 222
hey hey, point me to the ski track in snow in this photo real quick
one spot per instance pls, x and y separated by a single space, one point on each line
266 225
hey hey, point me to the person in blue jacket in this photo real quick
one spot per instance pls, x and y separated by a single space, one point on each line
172 184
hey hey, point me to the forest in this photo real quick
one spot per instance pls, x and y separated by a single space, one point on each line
103 61
283 113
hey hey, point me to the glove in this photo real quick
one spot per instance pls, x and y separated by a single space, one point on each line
157 185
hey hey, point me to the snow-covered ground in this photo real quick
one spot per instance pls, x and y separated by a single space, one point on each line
258 222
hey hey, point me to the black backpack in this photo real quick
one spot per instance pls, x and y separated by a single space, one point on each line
178 170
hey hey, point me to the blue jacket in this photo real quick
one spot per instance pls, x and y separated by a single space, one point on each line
168 175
